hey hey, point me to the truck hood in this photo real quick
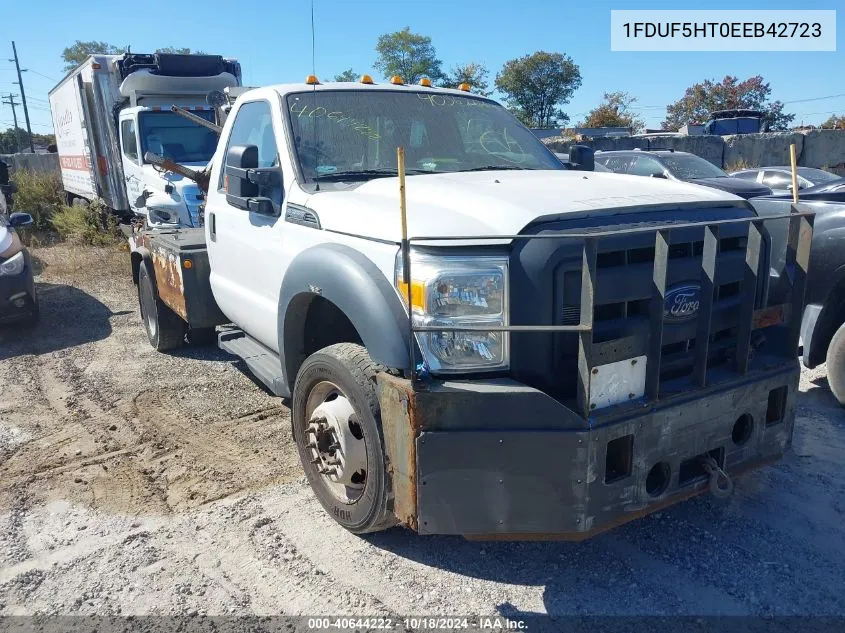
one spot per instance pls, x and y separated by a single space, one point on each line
492 202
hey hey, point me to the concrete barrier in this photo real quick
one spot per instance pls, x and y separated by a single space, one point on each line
33 162
815 148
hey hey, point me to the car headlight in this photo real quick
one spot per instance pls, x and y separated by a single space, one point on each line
13 266
455 292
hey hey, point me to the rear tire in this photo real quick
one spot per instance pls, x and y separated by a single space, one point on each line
165 330
344 373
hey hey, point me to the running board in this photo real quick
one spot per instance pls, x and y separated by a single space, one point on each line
263 362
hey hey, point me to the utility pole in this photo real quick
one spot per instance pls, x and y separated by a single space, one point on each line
23 97
11 101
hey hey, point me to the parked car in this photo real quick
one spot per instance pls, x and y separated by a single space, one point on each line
779 178
680 166
823 321
18 300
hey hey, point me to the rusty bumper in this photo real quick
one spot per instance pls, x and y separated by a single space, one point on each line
498 459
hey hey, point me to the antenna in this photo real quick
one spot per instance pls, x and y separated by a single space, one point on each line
314 92
313 45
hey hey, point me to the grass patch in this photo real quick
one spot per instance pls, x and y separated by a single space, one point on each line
40 194
93 224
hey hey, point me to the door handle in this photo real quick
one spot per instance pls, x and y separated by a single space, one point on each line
212 226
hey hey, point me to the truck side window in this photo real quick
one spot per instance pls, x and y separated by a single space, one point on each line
254 126
129 139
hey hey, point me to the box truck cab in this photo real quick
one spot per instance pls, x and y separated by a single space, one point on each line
112 109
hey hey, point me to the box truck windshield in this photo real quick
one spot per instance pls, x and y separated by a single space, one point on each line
173 136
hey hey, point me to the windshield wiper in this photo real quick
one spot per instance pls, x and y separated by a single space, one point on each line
359 174
495 168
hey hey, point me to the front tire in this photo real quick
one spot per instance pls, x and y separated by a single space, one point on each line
836 364
165 330
337 428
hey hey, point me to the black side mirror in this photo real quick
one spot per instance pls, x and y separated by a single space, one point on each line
583 158
658 174
20 219
247 184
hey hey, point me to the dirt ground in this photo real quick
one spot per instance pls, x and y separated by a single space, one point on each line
134 482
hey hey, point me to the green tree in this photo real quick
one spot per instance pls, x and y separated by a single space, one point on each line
347 75
701 99
409 55
172 50
472 73
835 122
9 143
79 51
614 111
536 85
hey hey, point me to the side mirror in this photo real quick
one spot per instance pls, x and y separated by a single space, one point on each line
659 174
20 219
247 185
583 158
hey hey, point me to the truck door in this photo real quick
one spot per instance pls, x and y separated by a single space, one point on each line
245 247
131 157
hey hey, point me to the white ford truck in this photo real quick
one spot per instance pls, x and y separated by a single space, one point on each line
112 109
582 348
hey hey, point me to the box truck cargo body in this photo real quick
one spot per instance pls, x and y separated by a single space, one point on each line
112 109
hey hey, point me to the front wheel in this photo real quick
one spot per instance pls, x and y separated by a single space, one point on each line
337 429
836 364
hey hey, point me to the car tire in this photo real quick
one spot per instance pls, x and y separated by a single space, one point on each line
343 376
165 330
836 364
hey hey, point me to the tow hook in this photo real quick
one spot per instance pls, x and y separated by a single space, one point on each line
721 484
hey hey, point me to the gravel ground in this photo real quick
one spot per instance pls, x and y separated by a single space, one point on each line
133 482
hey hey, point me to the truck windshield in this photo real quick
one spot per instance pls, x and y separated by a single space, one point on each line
173 136
355 133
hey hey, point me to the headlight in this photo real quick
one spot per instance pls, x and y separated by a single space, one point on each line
13 265
454 292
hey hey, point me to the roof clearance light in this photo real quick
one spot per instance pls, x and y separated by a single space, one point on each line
366 79
95 66
312 80
425 81
396 80
464 87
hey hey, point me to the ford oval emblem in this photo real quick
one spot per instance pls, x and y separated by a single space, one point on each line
681 303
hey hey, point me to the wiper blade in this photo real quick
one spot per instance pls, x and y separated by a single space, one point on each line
361 174
495 168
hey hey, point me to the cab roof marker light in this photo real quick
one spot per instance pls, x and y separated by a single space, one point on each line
464 87
312 80
95 66
425 81
366 79
396 80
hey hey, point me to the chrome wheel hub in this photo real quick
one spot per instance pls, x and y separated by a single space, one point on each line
336 442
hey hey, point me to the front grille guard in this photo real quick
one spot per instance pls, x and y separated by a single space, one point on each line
795 270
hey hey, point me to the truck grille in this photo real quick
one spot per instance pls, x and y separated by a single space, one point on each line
623 299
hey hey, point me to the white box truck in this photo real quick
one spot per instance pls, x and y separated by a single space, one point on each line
112 109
